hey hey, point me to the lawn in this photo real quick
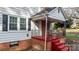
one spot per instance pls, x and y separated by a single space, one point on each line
72 36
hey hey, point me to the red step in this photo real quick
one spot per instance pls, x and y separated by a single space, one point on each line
54 41
58 44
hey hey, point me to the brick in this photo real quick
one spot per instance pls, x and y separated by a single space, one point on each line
39 45
24 44
4 46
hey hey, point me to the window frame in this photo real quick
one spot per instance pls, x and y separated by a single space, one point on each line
22 24
16 24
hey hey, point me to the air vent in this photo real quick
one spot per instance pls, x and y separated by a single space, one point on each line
14 44
27 35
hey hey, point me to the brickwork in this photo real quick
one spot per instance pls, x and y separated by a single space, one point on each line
24 44
39 45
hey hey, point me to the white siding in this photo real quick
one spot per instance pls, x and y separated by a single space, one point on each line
9 36
14 36
0 22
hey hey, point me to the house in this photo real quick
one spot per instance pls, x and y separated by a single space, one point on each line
19 24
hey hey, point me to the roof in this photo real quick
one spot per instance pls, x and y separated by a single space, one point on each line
45 9
20 11
55 13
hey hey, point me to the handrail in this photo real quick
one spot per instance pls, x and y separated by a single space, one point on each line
35 33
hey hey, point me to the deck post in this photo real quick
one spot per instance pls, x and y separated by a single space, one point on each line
45 43
64 28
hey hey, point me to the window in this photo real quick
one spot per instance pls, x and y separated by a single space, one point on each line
5 23
13 23
22 24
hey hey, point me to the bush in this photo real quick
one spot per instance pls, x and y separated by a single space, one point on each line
60 25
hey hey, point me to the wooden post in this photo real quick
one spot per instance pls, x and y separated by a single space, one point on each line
64 28
45 45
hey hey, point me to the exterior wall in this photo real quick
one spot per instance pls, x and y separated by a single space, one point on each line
40 27
9 36
0 22
14 36
39 45
22 45
36 29
23 36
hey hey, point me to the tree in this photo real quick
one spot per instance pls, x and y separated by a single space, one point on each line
58 25
69 23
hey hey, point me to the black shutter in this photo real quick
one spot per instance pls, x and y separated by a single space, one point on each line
29 24
5 23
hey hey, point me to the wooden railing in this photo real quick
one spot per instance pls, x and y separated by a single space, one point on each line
35 33
50 32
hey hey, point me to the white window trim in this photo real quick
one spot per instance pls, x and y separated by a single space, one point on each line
26 25
2 22
18 23
9 23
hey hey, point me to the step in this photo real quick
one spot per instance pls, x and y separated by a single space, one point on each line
61 46
58 44
57 40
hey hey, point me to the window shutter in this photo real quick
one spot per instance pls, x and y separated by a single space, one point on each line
29 24
5 23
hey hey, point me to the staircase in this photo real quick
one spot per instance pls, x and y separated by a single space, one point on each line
58 46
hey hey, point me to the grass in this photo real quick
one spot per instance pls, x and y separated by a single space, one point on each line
72 36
